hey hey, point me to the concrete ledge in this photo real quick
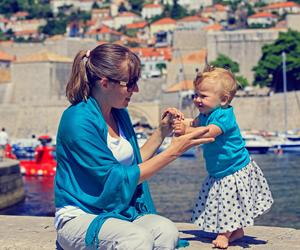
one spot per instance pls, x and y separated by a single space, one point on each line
11 183
32 233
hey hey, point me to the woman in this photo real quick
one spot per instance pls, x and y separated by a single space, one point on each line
100 177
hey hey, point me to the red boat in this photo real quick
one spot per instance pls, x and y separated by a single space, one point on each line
43 164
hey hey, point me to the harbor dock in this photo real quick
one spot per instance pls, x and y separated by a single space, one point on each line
32 233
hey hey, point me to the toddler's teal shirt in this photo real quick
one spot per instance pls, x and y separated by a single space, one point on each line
227 154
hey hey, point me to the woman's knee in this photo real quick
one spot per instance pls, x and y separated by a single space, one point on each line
168 231
140 240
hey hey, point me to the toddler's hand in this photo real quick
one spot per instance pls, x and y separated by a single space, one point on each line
178 127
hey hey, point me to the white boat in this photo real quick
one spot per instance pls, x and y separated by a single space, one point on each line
286 143
256 143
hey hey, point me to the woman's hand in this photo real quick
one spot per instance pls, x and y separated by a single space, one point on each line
167 119
182 143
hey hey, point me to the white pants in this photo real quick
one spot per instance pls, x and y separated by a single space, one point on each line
148 232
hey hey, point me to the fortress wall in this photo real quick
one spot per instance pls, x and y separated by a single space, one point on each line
150 90
39 82
188 40
268 112
293 21
70 46
31 82
261 113
264 113
65 46
242 46
21 121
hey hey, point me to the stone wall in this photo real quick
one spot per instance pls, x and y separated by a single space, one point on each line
23 120
267 113
11 183
242 46
188 40
293 21
65 46
261 113
264 113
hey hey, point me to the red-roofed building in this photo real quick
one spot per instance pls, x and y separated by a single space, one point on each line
165 24
104 33
282 8
100 13
3 24
213 27
193 22
26 25
264 19
152 10
140 29
190 4
125 18
154 60
217 12
5 62
5 59
27 34
21 15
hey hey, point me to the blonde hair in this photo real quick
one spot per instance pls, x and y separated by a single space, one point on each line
109 60
222 77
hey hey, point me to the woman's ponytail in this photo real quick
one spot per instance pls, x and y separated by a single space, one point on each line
78 88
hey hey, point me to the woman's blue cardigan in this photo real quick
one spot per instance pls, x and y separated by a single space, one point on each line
89 177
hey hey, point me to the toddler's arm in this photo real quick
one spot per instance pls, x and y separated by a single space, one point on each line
186 126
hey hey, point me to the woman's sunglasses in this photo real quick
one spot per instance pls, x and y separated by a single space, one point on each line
130 85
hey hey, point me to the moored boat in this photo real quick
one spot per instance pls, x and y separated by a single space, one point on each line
42 163
285 142
256 143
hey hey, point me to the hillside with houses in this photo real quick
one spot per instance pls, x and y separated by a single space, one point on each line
174 40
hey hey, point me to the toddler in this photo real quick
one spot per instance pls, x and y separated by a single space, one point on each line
235 190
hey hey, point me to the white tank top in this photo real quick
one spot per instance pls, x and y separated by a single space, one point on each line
122 151
121 148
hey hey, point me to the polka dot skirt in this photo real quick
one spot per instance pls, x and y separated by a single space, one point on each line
232 202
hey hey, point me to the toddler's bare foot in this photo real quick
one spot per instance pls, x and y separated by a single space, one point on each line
222 240
237 234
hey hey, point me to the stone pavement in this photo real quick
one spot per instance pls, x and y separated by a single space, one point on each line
32 233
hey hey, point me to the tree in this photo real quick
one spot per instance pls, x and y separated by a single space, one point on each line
161 67
223 61
122 7
242 81
54 27
268 71
95 5
136 5
34 8
178 11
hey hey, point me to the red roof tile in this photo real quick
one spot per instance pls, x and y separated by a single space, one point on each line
152 6
262 15
139 25
281 5
6 57
215 27
163 21
154 52
194 19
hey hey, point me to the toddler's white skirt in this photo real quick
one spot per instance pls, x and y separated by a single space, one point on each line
232 202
